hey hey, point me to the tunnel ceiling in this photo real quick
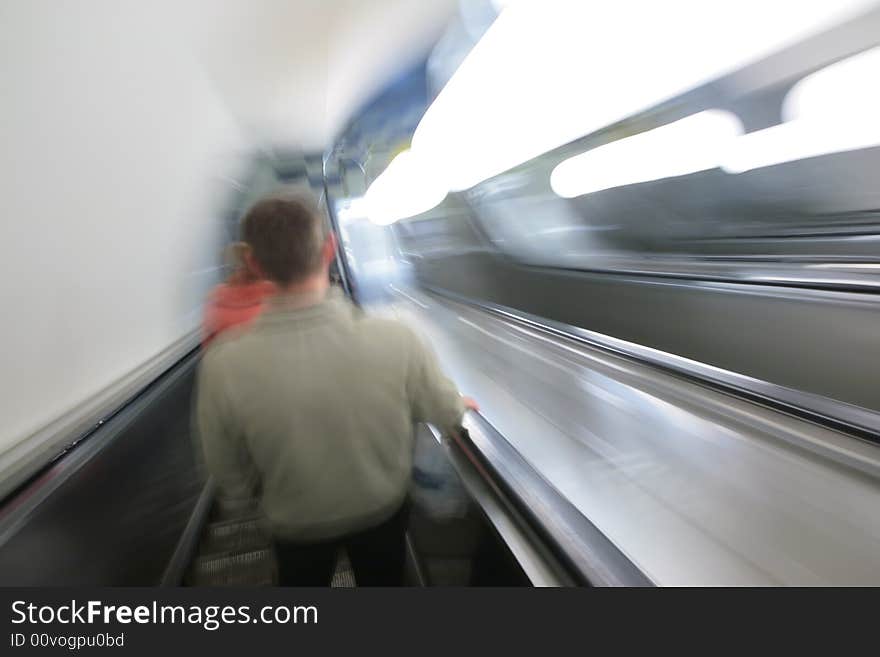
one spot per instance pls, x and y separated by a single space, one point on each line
293 72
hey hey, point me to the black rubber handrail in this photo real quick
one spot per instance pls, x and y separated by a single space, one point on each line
589 556
35 468
17 507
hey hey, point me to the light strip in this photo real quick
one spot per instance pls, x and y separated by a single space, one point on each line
406 188
831 111
692 144
799 140
550 71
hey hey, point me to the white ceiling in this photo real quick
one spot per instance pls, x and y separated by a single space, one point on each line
293 71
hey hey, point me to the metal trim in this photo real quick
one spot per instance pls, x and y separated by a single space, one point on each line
188 543
26 458
418 568
341 260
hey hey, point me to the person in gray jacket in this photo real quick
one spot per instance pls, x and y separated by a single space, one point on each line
312 409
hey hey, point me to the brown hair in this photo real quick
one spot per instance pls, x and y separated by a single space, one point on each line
286 235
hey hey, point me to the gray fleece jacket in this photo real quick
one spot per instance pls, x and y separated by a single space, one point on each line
312 410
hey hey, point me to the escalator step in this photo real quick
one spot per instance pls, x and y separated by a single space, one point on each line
232 536
343 576
253 568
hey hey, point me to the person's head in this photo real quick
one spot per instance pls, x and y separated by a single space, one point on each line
235 258
287 241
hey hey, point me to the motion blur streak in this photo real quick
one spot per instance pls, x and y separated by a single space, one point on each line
693 144
832 111
131 131
655 462
547 72
407 187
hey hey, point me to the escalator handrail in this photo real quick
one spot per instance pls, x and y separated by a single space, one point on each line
188 543
28 460
19 502
587 554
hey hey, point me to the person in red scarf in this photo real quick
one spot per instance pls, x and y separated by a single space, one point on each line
239 300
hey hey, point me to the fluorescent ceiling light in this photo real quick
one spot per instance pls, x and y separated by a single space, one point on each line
798 140
550 71
501 5
407 187
848 87
831 111
692 144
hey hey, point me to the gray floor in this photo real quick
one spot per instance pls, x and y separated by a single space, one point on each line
696 487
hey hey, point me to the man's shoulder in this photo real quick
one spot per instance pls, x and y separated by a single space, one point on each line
228 343
394 328
385 328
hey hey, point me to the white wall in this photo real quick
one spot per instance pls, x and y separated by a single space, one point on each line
114 149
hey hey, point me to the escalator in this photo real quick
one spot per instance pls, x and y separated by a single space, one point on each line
127 504
698 475
592 465
467 527
115 506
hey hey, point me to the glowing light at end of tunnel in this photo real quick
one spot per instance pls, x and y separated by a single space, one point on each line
351 209
407 187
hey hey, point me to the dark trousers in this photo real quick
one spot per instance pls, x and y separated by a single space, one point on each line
377 556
